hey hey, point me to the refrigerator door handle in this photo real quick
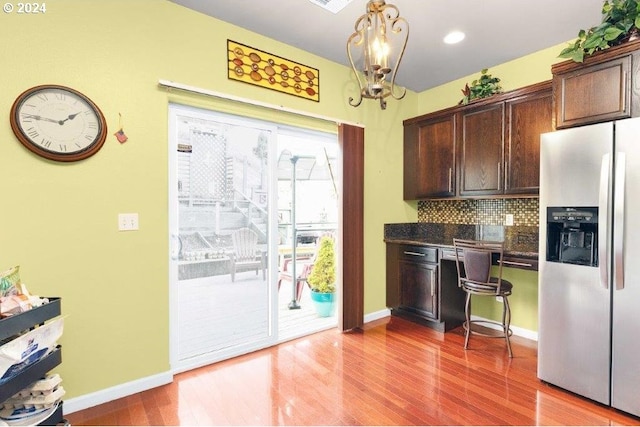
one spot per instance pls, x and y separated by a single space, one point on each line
602 222
618 221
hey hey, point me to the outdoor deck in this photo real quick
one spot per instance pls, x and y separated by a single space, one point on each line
302 321
216 313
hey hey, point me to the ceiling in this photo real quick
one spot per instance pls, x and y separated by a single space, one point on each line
497 31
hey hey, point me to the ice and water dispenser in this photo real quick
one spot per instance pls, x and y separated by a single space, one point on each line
572 235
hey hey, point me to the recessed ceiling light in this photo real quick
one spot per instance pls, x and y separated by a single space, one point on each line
454 37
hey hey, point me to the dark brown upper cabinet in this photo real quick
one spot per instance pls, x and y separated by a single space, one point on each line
429 158
489 147
602 88
482 150
526 117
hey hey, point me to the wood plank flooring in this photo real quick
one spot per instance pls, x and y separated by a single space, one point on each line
393 372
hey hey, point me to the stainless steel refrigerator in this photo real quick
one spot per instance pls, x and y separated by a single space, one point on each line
589 270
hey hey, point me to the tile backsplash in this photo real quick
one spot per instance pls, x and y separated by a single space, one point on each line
479 211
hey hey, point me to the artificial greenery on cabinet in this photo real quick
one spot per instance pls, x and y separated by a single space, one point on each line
482 87
620 23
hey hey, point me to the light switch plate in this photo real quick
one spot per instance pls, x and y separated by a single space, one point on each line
508 219
128 221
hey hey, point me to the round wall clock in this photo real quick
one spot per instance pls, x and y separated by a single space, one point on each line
58 123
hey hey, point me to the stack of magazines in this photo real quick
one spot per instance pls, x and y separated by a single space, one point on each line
33 404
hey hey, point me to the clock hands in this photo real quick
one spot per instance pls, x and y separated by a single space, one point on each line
71 117
36 117
46 119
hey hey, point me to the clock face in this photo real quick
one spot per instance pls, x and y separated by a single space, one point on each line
58 123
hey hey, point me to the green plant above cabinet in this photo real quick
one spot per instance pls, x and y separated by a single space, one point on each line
620 23
488 147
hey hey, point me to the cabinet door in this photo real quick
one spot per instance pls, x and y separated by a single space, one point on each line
419 288
591 94
527 118
429 159
481 151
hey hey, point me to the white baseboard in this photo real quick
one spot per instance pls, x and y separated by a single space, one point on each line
116 392
377 315
517 331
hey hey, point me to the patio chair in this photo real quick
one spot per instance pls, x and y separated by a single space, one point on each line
303 269
304 265
246 255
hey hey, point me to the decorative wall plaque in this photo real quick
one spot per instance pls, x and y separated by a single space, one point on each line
254 66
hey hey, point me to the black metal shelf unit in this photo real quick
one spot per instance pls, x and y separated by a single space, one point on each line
22 322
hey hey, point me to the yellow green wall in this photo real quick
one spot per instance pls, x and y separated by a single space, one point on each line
59 221
523 301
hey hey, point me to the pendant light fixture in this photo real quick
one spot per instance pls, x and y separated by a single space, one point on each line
379 41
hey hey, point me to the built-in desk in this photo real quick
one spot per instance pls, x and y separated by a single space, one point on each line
422 280
521 243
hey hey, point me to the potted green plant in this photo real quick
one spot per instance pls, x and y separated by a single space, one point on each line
620 23
322 279
482 87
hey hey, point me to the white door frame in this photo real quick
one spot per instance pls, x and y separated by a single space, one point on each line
176 109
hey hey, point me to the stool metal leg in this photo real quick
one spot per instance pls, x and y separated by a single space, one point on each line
467 323
506 322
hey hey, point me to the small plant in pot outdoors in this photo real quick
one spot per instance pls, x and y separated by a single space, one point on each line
322 279
620 23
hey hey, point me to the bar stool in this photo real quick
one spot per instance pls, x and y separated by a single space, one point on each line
473 262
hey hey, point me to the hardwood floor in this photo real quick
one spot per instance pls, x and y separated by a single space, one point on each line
394 372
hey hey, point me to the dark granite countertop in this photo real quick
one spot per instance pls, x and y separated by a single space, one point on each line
520 241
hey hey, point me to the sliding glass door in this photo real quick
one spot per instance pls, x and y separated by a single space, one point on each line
223 226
